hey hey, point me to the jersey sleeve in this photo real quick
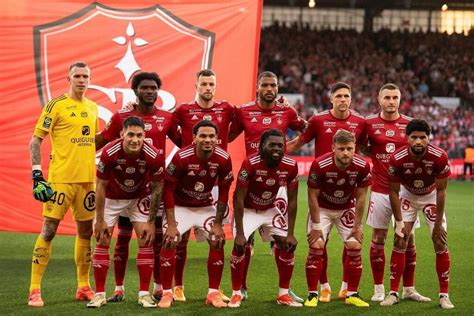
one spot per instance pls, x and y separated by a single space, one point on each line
104 167
113 128
225 180
310 132
48 118
243 178
157 170
314 177
442 167
293 178
236 125
296 122
365 178
394 171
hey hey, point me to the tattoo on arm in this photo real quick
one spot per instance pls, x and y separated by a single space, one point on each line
35 150
156 194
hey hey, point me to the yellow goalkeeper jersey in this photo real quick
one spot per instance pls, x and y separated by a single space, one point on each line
72 126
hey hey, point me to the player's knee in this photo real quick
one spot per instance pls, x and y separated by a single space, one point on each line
352 244
50 226
379 236
411 239
317 245
400 243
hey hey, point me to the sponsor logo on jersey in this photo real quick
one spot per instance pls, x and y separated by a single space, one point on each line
389 133
338 193
418 184
390 147
329 130
194 118
253 120
408 171
130 170
129 183
191 173
377 132
259 179
329 180
333 124
72 114
270 182
202 173
266 195
199 187
341 181
84 114
207 117
418 170
261 172
266 121
147 127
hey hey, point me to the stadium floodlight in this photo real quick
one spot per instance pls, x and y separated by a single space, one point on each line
312 3
444 7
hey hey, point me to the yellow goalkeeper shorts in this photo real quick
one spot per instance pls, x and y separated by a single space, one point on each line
78 196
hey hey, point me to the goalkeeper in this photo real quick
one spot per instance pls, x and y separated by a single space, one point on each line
71 121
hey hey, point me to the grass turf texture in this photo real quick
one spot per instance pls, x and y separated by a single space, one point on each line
59 283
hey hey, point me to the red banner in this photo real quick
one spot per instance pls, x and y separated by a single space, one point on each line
40 39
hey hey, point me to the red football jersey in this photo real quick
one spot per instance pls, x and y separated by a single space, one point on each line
263 182
188 114
384 137
254 120
418 176
189 181
129 175
337 187
322 127
158 125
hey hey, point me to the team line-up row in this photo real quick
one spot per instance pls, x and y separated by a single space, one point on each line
131 181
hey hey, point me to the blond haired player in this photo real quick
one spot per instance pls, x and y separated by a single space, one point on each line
71 120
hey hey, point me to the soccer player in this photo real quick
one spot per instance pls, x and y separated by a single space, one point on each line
158 124
129 178
322 127
386 132
190 177
337 188
221 113
260 178
72 121
254 119
418 177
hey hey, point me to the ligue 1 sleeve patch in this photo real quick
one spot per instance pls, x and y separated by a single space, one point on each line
171 168
313 177
391 170
243 175
101 166
47 122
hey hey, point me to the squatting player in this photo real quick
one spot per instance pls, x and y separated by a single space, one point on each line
190 177
322 127
158 124
337 188
129 179
418 177
221 113
386 132
260 178
71 120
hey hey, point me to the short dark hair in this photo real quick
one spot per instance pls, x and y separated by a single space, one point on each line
389 86
417 125
79 64
133 121
204 123
267 74
340 85
205 73
343 136
143 75
265 136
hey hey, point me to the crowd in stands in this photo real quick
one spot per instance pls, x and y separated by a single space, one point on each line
423 65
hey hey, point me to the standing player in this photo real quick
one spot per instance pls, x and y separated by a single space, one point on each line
260 178
129 168
221 113
158 124
335 180
190 177
72 121
254 119
386 132
418 177
322 127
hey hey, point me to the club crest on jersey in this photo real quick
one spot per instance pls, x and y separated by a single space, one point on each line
199 187
212 173
202 173
279 120
266 121
129 183
390 147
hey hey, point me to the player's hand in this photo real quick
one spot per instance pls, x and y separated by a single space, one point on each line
41 189
148 233
171 236
357 233
314 236
101 231
239 243
400 230
439 236
217 236
129 106
291 243
283 101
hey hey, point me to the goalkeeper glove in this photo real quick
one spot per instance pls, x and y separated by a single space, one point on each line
41 189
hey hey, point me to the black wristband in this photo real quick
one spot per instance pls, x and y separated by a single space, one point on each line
37 175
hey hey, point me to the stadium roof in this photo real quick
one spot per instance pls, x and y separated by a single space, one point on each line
378 4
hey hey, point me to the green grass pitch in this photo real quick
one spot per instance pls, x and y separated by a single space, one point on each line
59 282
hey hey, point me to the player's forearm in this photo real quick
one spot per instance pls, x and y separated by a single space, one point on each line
313 205
99 141
100 201
359 210
293 145
220 212
35 150
395 205
156 194
170 218
292 210
238 216
440 203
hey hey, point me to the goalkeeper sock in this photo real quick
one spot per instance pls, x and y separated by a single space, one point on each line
41 254
82 257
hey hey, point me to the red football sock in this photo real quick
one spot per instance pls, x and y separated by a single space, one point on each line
410 264
324 268
443 263
121 252
344 256
236 269
215 267
313 268
285 261
156 251
248 256
353 268
145 266
167 266
101 263
181 256
377 262
397 265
